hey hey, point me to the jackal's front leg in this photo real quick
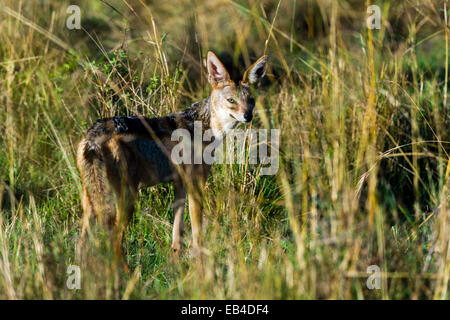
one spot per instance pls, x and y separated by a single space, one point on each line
195 190
178 221
195 211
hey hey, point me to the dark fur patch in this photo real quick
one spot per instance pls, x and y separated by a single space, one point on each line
150 150
145 128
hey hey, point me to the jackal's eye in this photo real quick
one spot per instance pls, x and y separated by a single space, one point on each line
231 100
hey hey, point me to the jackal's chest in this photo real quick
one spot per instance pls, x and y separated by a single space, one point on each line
156 157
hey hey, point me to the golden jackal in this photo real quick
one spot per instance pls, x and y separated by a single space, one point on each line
119 155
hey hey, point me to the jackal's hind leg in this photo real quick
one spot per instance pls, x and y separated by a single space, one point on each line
117 234
122 177
125 207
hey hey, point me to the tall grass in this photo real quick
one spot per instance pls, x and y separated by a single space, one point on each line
364 153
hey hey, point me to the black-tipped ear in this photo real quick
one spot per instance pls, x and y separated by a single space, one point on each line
256 71
217 73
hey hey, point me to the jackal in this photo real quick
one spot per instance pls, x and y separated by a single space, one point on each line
119 155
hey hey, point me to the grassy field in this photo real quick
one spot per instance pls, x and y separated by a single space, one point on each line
364 150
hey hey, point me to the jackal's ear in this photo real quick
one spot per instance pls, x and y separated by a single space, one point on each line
256 71
217 73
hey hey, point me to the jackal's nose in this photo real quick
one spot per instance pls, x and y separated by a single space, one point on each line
248 116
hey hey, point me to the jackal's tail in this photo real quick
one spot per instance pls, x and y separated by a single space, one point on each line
106 194
97 194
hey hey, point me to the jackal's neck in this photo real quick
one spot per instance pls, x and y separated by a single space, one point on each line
200 111
204 111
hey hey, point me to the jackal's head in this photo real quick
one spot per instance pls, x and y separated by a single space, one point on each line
230 102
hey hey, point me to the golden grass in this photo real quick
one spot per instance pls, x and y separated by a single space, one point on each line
364 153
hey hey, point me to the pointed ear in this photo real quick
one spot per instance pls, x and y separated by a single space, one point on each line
217 74
256 71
